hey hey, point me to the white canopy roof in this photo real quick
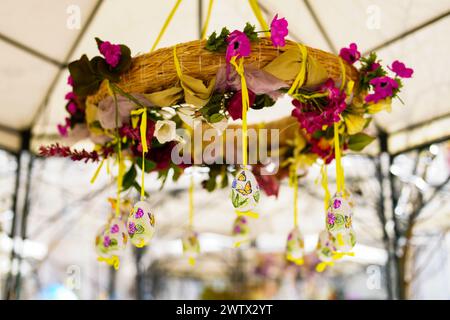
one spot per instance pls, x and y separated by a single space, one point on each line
37 40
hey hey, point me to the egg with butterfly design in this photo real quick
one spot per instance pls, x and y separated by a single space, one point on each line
245 192
295 247
141 224
339 223
191 245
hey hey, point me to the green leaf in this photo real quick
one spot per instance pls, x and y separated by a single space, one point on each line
249 31
86 80
129 178
256 196
262 101
149 165
216 117
113 243
359 141
217 43
139 229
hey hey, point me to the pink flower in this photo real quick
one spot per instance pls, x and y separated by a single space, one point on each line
70 81
72 108
70 96
278 31
139 213
238 45
383 87
374 66
237 230
350 54
337 203
115 228
235 104
63 129
106 241
111 52
401 70
331 218
131 228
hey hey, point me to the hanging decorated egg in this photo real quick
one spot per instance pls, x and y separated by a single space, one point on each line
325 247
191 245
344 242
141 224
241 231
245 191
295 248
339 215
111 241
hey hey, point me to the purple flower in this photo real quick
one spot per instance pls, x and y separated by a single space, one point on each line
383 87
238 45
278 31
131 228
237 230
337 203
111 52
115 228
290 236
70 81
106 241
401 70
139 213
350 54
331 218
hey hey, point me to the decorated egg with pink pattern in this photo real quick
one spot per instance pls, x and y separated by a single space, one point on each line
241 231
295 247
141 224
191 245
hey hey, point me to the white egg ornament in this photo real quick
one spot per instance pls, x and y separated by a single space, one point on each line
339 223
241 231
245 191
325 250
111 241
295 247
191 246
141 224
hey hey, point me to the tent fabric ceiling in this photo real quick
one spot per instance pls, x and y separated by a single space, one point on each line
33 50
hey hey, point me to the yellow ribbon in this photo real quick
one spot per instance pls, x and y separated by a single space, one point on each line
191 201
337 151
323 265
245 105
113 261
165 25
208 16
340 255
301 76
191 261
326 199
297 261
97 171
143 133
237 244
250 214
257 12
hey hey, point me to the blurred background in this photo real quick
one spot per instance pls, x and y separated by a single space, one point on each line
50 213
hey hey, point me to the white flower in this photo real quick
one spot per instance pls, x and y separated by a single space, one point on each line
166 130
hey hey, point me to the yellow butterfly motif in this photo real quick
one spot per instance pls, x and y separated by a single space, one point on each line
246 190
241 176
348 222
152 219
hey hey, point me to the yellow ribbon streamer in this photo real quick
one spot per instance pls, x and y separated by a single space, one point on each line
326 199
297 261
208 16
113 261
97 171
257 12
250 214
143 133
245 105
337 151
301 76
191 201
165 25
340 255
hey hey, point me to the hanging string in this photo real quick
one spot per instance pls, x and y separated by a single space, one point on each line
191 201
326 199
143 133
295 186
208 16
257 12
300 79
165 25
97 171
337 152
245 105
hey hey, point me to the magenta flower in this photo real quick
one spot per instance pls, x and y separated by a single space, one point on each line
337 203
72 108
234 106
115 228
350 54
70 96
374 66
278 31
131 228
70 81
383 87
139 213
63 129
401 70
238 45
331 218
106 241
237 230
111 52
290 236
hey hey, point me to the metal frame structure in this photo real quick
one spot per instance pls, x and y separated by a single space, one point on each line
21 203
